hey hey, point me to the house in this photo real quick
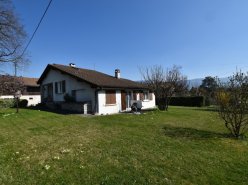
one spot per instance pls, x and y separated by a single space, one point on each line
30 89
99 93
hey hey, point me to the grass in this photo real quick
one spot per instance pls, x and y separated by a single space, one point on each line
182 146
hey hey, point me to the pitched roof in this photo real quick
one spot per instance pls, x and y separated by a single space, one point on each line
29 81
93 77
25 80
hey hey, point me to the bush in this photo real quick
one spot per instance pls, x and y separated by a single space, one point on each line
23 103
194 101
6 103
232 101
69 98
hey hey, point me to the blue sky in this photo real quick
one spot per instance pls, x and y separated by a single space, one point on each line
204 37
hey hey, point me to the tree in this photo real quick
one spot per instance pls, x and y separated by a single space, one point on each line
232 101
164 83
209 84
12 35
208 88
194 91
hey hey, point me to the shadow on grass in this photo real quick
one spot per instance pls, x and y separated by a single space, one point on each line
208 109
56 111
191 133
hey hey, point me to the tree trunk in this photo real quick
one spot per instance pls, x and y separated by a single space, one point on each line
17 105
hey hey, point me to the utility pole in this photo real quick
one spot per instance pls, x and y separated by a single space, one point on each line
17 93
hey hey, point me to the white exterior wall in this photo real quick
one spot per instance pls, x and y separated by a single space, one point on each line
84 92
149 104
108 109
32 99
116 108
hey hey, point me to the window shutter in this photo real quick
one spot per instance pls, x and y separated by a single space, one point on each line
134 96
56 87
107 98
63 86
110 97
141 96
114 97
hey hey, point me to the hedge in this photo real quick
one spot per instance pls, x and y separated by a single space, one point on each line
189 101
6 103
10 103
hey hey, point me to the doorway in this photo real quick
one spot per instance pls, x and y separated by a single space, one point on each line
123 100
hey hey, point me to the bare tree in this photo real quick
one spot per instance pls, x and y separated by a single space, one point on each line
164 83
178 80
12 35
232 100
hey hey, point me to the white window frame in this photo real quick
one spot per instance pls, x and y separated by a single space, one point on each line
60 87
146 95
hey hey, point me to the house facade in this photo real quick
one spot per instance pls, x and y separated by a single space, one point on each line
104 94
30 92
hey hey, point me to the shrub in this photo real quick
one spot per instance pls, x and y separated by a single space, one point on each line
23 103
69 98
232 101
6 103
194 101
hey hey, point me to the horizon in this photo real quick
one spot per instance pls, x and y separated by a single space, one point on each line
205 38
200 78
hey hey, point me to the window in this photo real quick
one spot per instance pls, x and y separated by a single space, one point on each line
150 96
110 97
60 87
33 89
146 95
141 96
134 95
73 94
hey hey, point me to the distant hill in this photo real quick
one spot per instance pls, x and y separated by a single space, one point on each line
195 82
198 81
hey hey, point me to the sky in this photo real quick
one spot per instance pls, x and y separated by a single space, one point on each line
206 37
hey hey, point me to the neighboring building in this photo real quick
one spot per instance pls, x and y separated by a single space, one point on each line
102 93
31 90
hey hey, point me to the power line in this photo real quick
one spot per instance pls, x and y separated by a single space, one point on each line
37 27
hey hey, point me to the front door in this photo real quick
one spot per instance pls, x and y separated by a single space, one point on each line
50 92
123 100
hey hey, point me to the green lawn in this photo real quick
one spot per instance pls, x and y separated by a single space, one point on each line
182 146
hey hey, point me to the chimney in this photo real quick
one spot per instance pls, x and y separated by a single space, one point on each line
72 65
117 73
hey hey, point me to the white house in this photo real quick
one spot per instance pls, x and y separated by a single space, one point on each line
98 92
31 91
